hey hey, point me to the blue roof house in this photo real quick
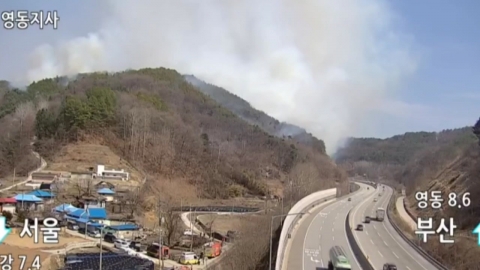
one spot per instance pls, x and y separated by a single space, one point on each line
42 194
90 215
65 208
106 193
28 201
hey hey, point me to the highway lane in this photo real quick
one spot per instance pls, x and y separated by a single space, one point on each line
379 240
322 230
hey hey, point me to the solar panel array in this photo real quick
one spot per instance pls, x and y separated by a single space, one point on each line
110 261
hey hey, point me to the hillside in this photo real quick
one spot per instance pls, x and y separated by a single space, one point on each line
166 127
386 158
244 110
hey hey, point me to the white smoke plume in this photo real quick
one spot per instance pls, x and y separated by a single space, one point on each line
323 65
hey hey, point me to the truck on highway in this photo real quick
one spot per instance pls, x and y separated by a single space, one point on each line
338 259
380 214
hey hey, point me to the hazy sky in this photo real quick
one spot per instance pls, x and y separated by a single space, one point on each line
337 68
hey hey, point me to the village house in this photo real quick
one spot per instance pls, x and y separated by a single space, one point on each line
87 202
104 184
28 202
106 193
124 231
42 194
93 215
8 205
104 173
45 177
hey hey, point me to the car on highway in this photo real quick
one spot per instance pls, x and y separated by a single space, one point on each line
338 259
389 266
375 200
360 227
367 219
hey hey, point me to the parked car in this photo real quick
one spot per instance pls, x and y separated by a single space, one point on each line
94 233
137 246
72 226
110 238
121 244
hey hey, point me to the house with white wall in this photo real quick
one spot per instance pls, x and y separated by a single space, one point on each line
104 173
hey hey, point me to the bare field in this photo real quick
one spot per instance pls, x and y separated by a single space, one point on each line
224 223
14 239
79 157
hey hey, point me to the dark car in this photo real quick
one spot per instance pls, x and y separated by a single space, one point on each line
360 227
367 219
110 238
389 266
349 199
137 246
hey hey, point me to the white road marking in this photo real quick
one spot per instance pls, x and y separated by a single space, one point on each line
321 262
332 229
396 255
385 243
380 253
374 227
371 241
366 232
408 268
333 238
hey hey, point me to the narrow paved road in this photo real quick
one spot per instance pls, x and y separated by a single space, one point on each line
379 240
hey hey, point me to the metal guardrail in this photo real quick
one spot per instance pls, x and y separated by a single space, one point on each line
417 248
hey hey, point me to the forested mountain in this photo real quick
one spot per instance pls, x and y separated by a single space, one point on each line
400 149
161 123
244 110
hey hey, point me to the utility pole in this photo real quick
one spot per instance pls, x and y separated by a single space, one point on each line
191 229
160 232
13 179
101 247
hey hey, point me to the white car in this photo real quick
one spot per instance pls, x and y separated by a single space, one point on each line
121 244
94 234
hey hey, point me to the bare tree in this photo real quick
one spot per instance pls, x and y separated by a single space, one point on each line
171 221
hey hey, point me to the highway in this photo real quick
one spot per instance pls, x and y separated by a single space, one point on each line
321 230
379 240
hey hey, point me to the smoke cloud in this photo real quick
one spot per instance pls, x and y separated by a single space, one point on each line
322 65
